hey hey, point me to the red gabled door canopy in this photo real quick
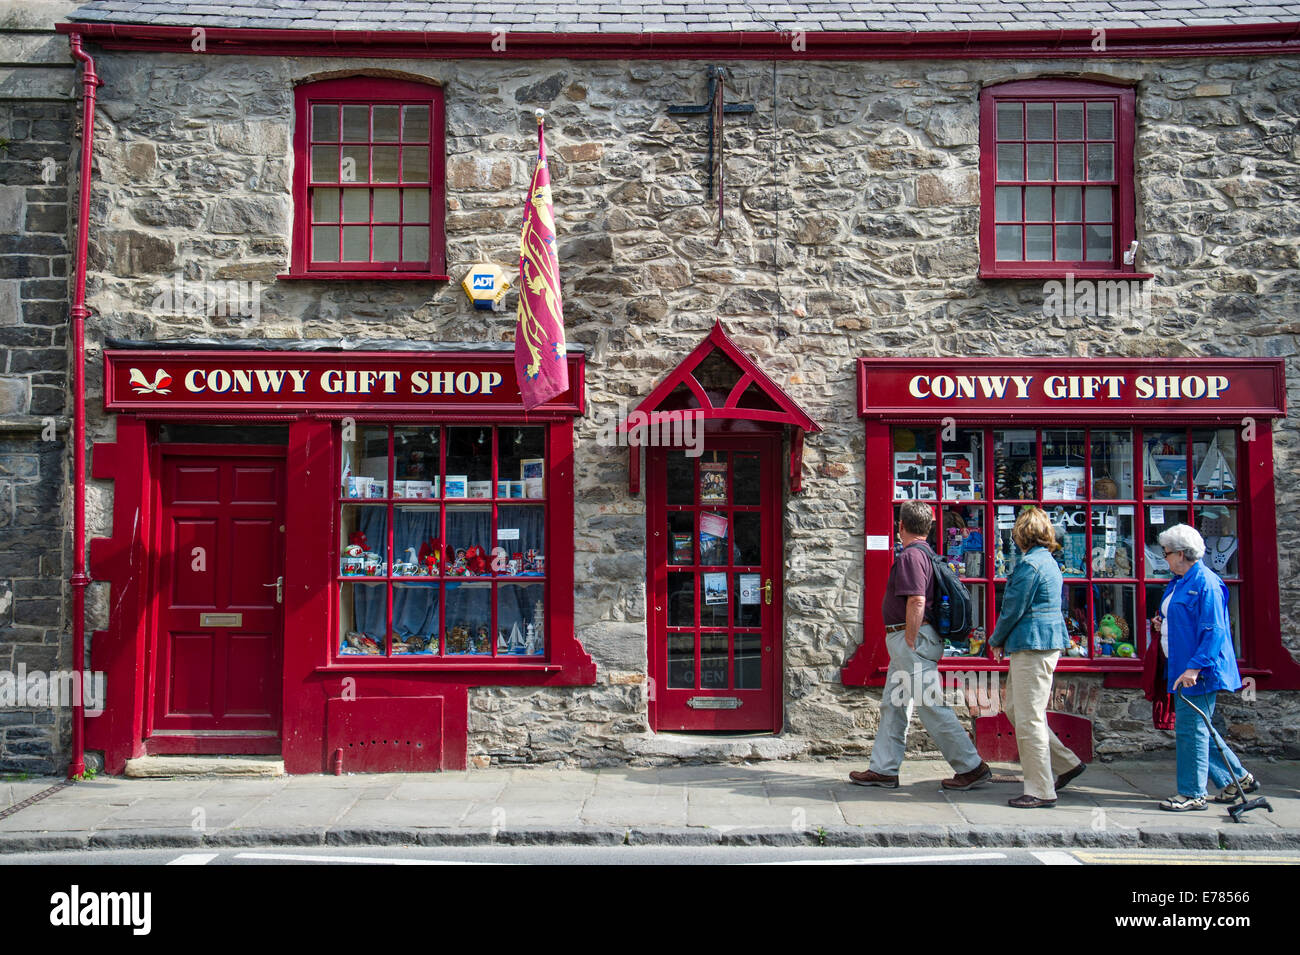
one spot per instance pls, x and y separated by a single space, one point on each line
752 397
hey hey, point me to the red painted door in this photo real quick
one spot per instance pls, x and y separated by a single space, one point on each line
218 642
715 585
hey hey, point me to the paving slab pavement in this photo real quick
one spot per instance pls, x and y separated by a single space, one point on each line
769 803
655 811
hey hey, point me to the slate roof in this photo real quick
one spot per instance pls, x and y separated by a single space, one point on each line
688 16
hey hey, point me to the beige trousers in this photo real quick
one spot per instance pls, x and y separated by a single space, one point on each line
1043 757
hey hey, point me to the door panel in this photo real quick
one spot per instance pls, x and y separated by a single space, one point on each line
189 683
196 485
255 485
249 659
193 539
253 544
217 660
713 546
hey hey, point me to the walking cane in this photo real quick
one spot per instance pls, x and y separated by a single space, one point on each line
1246 805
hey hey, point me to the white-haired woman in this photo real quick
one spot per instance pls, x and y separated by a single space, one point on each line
1197 641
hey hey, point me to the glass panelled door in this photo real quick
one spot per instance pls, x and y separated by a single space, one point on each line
715 586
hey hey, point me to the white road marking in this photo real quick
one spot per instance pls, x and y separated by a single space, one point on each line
1055 857
1185 857
352 860
894 860
194 858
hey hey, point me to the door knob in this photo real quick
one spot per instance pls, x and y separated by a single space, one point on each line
279 589
767 591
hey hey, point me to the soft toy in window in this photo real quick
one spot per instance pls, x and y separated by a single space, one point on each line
430 555
1108 634
476 561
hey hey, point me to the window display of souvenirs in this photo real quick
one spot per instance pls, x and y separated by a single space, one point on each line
465 517
1106 523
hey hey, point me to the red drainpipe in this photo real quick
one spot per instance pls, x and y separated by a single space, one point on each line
79 580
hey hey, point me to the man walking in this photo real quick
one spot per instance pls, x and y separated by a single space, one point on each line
915 649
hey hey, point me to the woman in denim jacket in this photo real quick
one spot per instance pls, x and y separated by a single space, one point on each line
1197 641
1031 629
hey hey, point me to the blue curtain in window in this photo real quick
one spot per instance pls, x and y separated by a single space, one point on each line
517 605
469 606
467 529
415 607
531 524
415 610
412 529
369 603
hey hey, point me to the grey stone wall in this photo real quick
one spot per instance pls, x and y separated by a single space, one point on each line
36 132
851 229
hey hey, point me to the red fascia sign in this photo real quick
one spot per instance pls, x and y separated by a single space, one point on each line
363 382
1084 387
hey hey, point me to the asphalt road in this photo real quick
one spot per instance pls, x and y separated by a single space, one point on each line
650 855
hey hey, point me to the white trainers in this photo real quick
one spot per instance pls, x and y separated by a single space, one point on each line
1182 803
1248 783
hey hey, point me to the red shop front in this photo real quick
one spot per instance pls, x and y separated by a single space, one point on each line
317 553
1115 450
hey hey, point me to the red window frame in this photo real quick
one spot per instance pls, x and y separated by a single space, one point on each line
558 530
441 503
1122 216
370 92
1145 581
896 392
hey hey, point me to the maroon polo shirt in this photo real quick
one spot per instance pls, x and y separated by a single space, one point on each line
912 575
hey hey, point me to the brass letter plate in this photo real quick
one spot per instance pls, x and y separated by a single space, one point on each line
221 620
713 703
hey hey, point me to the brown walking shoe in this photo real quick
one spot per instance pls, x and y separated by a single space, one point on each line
1030 802
871 778
1064 779
963 781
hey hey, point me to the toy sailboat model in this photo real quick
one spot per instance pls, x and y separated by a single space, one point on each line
1214 473
1151 475
516 640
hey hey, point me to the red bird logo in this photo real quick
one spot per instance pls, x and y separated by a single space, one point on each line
142 387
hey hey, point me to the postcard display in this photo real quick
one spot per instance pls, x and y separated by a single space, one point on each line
1115 451
453 561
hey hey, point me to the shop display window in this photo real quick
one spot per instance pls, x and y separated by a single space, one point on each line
1109 493
1056 172
369 196
442 542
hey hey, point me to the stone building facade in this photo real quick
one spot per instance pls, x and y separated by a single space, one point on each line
37 144
850 230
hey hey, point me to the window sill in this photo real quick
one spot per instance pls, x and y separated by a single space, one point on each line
468 667
1053 273
1074 664
364 277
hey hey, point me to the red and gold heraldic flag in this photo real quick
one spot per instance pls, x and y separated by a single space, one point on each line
539 333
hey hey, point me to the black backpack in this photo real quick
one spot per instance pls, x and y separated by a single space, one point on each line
948 584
